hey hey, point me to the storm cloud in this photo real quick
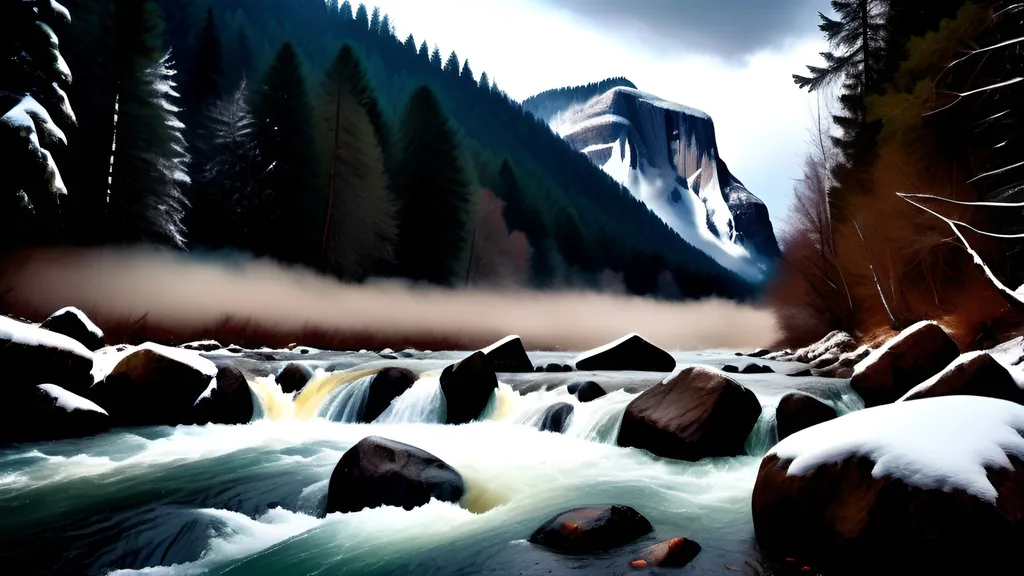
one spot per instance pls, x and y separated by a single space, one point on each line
728 29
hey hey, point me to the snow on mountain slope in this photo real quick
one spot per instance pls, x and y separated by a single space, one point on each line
666 155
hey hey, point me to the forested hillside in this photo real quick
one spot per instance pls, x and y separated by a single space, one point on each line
308 132
918 178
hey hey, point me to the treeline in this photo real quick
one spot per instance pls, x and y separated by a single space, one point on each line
927 125
549 103
308 132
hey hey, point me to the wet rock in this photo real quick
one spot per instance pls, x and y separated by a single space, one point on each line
759 353
589 391
30 356
468 386
509 355
553 367
674 553
389 356
407 353
203 346
797 411
388 384
591 529
154 385
74 324
49 412
226 401
730 369
574 386
806 372
381 472
294 377
539 369
567 368
629 353
757 369
556 418
699 413
973 374
915 355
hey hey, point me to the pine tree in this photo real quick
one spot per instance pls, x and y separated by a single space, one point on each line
435 57
375 21
467 73
33 104
206 84
410 44
332 7
146 202
349 70
386 29
346 11
285 138
451 66
485 82
362 18
434 194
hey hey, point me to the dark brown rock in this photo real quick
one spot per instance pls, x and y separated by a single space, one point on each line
730 369
388 384
801 373
556 418
976 374
203 346
798 411
74 324
381 472
31 356
509 355
468 386
629 353
591 529
697 414
756 369
921 352
294 377
227 402
674 553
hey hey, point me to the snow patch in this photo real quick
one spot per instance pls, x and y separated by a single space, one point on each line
877 353
499 344
963 359
32 335
70 401
944 443
32 119
108 358
92 328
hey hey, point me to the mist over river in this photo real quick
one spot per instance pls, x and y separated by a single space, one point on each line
250 499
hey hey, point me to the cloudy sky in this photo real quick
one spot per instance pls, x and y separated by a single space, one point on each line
731 58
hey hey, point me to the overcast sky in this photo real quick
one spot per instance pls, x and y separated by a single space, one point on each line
731 58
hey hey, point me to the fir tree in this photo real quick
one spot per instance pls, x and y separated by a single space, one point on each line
467 73
332 7
375 26
285 139
347 69
485 82
434 194
346 11
207 82
451 66
362 17
386 29
424 51
410 43
435 57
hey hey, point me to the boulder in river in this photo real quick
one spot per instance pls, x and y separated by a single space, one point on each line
294 377
49 412
589 391
753 368
388 384
915 355
74 324
591 529
381 472
203 345
674 553
731 369
972 374
556 417
154 385
509 355
31 356
797 411
468 386
227 400
699 413
628 353
933 486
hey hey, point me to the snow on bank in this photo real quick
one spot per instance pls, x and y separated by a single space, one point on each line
86 322
32 335
878 352
70 401
108 359
941 443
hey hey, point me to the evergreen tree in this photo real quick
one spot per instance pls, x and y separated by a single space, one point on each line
285 139
434 194
467 73
348 70
410 43
362 18
485 82
386 29
33 76
146 202
207 82
451 66
346 11
424 51
332 7
375 26
242 60
435 57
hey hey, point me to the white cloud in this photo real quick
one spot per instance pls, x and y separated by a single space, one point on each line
761 117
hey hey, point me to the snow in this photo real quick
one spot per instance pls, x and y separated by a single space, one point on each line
664 104
92 328
32 335
61 11
877 353
108 358
1011 356
942 443
35 122
964 358
70 401
567 128
600 349
499 344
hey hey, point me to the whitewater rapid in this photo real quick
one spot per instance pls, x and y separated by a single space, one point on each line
248 499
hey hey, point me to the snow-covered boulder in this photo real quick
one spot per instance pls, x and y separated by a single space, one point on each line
906 360
49 412
841 367
631 352
698 413
203 346
73 323
468 386
227 400
934 486
153 385
509 355
30 355
797 411
972 374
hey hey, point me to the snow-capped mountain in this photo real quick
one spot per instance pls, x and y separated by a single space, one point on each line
667 156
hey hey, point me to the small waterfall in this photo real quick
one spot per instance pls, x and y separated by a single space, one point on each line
599 420
272 403
347 403
318 392
421 403
765 434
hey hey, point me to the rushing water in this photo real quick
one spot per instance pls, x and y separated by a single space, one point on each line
248 499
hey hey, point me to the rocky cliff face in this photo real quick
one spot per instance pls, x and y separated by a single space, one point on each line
667 156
